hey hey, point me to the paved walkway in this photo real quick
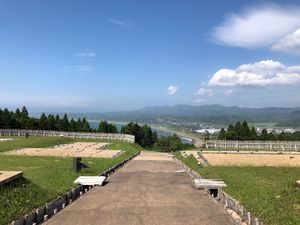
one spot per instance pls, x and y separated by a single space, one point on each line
148 190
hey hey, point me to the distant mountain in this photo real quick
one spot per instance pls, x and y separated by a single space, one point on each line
205 114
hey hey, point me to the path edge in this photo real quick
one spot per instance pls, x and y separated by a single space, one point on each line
43 213
232 206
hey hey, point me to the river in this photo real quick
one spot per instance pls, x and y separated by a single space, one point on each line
160 133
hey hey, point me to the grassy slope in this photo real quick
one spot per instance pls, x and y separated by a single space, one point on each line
268 192
46 177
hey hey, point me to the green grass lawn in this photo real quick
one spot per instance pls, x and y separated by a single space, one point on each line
46 177
268 192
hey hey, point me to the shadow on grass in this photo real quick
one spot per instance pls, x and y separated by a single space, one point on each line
18 197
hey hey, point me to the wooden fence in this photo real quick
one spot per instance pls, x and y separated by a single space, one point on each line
254 145
49 133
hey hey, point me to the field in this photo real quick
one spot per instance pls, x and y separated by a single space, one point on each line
249 159
268 192
77 149
46 177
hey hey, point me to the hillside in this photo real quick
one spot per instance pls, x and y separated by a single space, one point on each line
204 114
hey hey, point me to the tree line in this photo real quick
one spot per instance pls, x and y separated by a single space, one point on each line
20 119
144 135
149 139
242 131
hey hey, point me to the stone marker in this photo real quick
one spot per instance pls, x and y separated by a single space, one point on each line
209 184
90 180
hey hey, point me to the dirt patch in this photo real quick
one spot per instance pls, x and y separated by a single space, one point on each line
144 155
78 149
222 159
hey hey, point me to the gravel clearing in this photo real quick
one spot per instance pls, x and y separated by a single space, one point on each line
246 159
78 149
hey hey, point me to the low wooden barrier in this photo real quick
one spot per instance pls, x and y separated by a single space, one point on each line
49 133
256 145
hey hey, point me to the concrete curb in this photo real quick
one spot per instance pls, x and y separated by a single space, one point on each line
238 212
43 213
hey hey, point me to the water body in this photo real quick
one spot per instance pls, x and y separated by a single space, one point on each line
160 133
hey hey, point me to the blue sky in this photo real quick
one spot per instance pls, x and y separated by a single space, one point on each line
112 55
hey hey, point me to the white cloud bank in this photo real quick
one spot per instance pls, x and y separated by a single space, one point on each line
204 92
290 43
258 26
172 90
263 73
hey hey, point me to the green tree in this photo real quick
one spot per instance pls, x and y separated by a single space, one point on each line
65 123
253 134
79 125
32 124
230 133
103 127
245 131
133 129
50 122
85 125
72 125
222 135
238 131
147 138
18 113
1 119
24 112
43 122
264 135
170 143
59 123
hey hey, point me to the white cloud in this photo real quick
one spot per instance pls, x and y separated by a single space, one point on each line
263 73
258 26
79 68
204 92
199 100
86 54
228 92
119 23
172 90
290 43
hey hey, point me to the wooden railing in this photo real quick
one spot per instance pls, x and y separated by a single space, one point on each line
254 145
49 133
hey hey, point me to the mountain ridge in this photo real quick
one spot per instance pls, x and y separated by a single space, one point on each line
205 114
